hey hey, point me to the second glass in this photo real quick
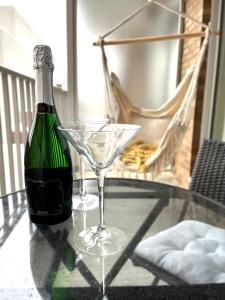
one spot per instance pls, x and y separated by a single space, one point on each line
83 201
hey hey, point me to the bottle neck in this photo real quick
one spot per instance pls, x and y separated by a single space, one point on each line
44 86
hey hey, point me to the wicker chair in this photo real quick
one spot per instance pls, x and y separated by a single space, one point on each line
208 177
165 255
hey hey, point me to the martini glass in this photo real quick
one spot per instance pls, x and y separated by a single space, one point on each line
82 201
100 148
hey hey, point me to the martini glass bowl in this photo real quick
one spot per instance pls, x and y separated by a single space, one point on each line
100 148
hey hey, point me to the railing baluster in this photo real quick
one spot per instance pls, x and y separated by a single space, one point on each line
17 131
2 166
23 113
28 100
7 120
32 95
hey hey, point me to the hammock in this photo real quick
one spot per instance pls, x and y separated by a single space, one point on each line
168 124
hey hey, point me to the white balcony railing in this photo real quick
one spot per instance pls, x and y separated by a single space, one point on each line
17 96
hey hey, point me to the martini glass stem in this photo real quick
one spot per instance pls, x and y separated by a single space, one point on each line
82 179
100 181
84 215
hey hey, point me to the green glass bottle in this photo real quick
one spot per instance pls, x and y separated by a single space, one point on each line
48 165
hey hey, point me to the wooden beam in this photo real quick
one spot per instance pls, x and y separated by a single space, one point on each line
153 38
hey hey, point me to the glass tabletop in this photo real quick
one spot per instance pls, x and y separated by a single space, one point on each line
42 262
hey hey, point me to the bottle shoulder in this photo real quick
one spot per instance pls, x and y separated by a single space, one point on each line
45 143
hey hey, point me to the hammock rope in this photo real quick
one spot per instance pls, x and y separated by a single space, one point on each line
137 11
125 20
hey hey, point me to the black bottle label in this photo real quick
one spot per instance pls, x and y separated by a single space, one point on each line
47 196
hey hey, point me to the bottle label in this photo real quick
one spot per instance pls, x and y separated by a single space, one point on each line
47 196
43 108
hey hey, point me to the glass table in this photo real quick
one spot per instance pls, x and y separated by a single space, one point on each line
42 262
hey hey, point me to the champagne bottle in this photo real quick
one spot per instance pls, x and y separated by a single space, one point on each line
48 165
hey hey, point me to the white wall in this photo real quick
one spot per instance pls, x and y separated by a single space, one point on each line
16 41
147 71
26 23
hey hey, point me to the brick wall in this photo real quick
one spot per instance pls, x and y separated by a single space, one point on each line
200 10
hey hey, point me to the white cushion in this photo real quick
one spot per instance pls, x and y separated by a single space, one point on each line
192 250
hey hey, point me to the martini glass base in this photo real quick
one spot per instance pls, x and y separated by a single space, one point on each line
87 202
101 243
